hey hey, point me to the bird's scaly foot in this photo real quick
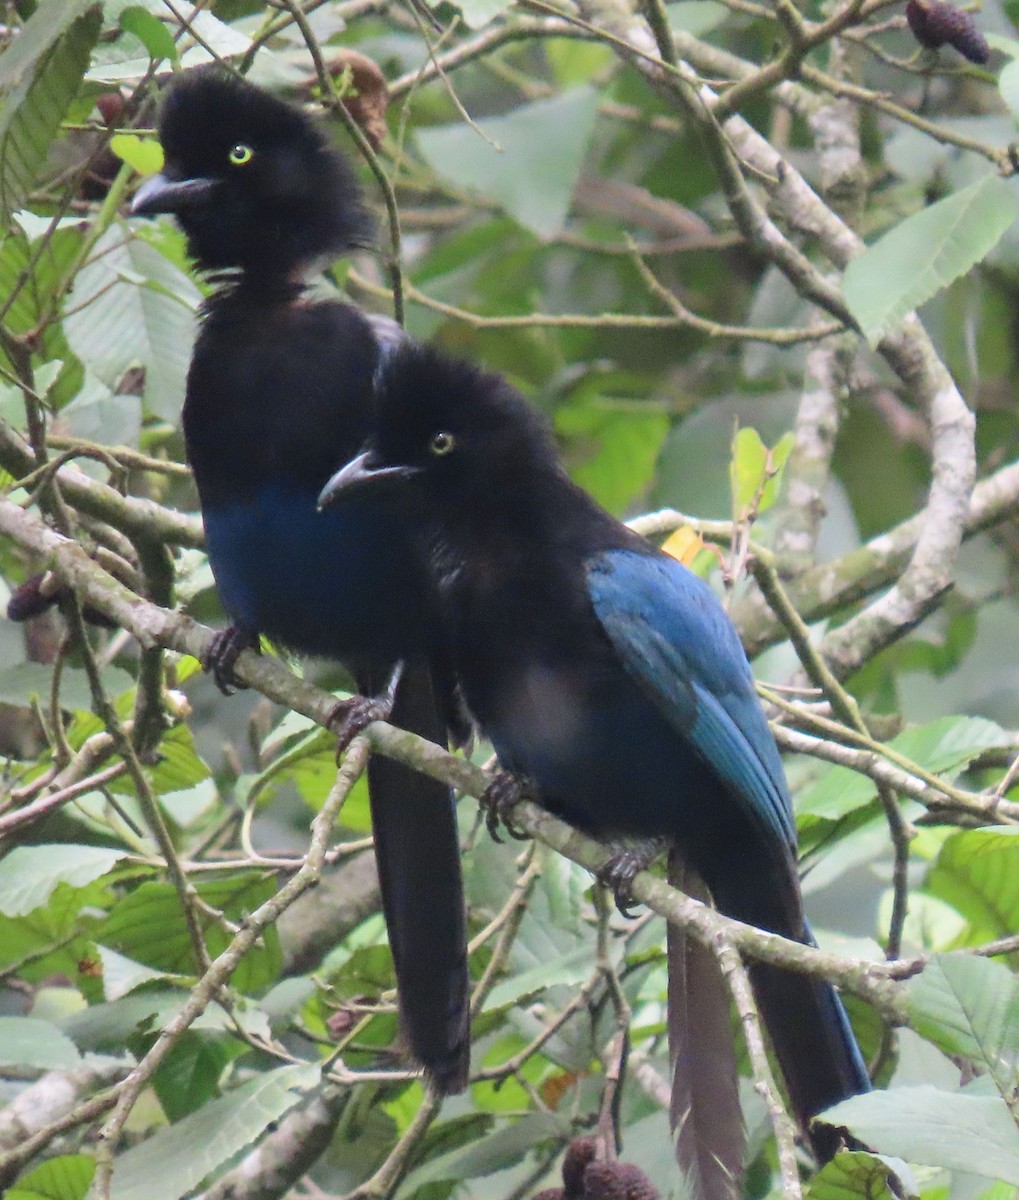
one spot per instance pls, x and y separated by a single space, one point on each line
501 796
223 652
621 869
351 717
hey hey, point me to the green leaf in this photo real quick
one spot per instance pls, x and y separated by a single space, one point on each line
29 874
67 1177
504 1148
948 743
122 975
926 252
109 1026
309 763
189 1075
46 936
997 1191
211 36
696 17
969 1006
998 41
1008 81
29 280
34 104
27 1042
573 62
97 415
174 1161
122 323
612 451
532 168
189 805
853 1174
151 32
27 680
41 32
747 469
755 472
941 747
35 227
477 13
977 873
779 456
936 1128
179 766
148 926
571 969
142 154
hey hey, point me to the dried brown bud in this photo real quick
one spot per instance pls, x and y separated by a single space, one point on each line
936 23
579 1155
32 598
111 107
340 1022
617 1181
366 94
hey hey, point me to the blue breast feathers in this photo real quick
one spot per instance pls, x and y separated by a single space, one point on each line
315 581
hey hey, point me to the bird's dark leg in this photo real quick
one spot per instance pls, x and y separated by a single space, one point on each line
501 796
352 716
222 654
620 871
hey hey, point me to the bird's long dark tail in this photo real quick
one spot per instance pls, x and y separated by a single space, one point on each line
814 1044
417 848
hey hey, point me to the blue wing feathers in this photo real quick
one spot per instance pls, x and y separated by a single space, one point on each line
676 641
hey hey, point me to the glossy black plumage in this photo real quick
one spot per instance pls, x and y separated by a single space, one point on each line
611 677
281 386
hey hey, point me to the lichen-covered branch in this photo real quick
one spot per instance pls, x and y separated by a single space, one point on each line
808 468
132 515
59 1102
154 626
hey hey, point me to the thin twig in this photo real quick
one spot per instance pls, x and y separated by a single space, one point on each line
223 966
764 1080
334 102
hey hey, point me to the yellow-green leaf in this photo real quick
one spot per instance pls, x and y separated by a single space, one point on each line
144 155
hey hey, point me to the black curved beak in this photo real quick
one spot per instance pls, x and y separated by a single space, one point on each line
162 195
360 475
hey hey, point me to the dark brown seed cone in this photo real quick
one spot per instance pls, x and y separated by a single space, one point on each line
579 1155
40 592
617 1181
30 599
935 23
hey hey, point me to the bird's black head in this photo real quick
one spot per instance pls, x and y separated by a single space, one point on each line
446 433
253 181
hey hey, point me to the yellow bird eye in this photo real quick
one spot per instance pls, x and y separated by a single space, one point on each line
240 154
442 444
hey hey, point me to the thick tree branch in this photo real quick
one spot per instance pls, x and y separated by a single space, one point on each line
154 626
131 515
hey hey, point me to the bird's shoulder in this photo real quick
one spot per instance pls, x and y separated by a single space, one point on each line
512 569
653 595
